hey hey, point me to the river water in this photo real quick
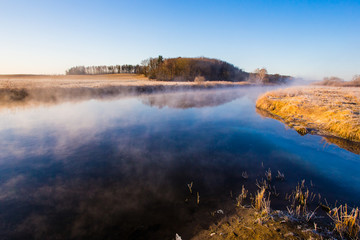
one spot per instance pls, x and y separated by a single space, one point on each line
120 168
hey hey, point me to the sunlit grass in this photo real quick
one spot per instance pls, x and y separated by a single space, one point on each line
347 223
322 110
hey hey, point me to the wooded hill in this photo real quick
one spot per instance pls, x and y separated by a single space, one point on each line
185 69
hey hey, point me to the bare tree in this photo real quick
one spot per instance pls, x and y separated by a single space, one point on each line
261 74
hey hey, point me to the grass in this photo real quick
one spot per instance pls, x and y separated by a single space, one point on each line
318 110
95 81
262 203
347 223
299 200
260 222
242 196
34 90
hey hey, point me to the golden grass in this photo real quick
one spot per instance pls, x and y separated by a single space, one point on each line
245 224
322 110
95 81
347 223
242 196
262 203
34 90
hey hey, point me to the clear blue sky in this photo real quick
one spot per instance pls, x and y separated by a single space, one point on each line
309 39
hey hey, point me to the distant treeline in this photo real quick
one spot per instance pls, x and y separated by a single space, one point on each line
185 69
94 70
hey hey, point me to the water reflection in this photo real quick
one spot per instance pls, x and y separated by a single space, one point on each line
343 143
119 169
194 99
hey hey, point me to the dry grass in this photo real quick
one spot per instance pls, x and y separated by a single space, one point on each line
319 110
244 224
299 199
33 90
262 203
347 223
94 81
242 196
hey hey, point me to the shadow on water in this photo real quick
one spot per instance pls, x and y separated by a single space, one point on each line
342 143
119 169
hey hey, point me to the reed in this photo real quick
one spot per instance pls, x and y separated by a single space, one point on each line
245 175
262 203
280 176
268 175
190 185
347 223
242 196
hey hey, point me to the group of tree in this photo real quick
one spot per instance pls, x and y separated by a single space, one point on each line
261 76
115 69
339 82
185 69
189 69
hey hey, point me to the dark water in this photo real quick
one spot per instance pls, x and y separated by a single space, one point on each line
119 169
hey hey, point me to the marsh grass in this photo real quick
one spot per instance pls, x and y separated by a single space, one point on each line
262 203
190 185
346 221
322 110
244 175
242 196
280 176
268 175
300 200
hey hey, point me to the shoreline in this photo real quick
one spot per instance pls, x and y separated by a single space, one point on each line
20 90
325 111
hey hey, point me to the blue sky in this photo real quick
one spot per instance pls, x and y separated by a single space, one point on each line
310 39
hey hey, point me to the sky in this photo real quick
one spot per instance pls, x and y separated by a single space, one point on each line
309 39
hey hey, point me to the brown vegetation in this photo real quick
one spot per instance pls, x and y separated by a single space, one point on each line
25 90
246 223
338 82
318 110
347 221
188 69
185 69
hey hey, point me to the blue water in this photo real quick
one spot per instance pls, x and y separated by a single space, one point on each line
119 169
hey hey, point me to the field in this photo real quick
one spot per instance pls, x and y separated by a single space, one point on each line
326 111
20 90
94 81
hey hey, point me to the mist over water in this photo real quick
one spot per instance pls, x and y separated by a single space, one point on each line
119 169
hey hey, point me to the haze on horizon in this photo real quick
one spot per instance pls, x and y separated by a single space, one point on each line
310 39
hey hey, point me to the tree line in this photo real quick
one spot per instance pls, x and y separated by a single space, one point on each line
95 70
184 69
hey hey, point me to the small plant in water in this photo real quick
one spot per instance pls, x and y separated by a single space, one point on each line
280 176
261 202
268 175
197 198
190 185
242 196
300 200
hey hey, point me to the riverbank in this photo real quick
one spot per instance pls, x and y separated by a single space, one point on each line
19 90
97 81
247 223
326 111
